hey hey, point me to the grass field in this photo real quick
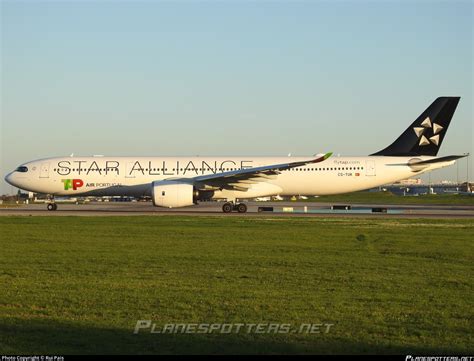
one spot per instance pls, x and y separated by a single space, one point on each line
79 284
390 198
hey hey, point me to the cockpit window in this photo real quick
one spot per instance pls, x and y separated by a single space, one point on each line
22 169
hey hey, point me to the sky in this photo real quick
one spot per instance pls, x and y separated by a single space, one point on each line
229 77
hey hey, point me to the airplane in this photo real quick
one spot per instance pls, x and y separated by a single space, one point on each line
263 199
184 181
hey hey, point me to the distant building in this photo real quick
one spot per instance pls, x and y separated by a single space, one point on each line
409 181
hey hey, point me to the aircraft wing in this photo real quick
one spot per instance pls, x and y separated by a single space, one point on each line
242 180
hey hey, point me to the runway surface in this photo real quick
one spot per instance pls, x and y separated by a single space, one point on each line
281 209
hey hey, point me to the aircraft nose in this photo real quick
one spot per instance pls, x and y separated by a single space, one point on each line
9 178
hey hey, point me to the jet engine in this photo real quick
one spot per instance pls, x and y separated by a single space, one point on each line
173 194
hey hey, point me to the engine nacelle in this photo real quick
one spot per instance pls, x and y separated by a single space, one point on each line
171 194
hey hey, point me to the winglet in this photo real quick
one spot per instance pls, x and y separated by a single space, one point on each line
327 155
321 159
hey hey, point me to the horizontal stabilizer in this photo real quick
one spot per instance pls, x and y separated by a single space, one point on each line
448 158
419 164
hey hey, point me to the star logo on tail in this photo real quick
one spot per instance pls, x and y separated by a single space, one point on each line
428 132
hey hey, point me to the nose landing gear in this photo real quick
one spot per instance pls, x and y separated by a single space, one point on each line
52 206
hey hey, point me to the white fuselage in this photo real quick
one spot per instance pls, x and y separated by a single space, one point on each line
133 176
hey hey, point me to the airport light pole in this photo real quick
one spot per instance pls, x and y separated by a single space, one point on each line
457 174
467 168
429 183
467 175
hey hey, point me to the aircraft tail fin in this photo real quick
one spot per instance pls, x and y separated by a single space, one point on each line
425 135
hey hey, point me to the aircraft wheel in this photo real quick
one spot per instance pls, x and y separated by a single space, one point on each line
227 208
52 206
241 208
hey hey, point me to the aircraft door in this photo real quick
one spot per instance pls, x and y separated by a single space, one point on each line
370 168
44 170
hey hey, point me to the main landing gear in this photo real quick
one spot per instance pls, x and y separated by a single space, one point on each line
229 207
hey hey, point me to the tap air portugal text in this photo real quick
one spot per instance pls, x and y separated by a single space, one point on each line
183 181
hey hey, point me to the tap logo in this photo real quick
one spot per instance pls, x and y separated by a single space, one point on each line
72 183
